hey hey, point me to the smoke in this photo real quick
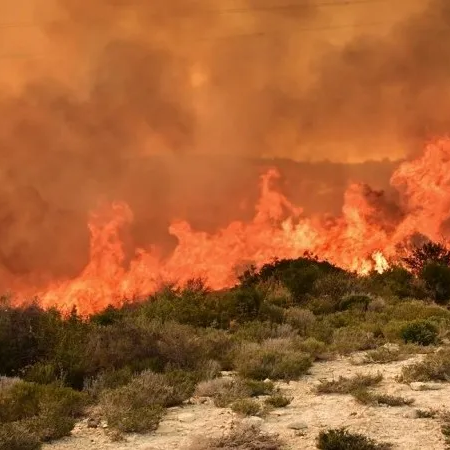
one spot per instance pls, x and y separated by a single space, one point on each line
119 81
391 90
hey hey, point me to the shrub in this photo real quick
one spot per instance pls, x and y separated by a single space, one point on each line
246 407
109 379
435 367
257 388
301 319
261 331
351 339
50 426
342 439
25 400
46 412
383 355
278 401
272 359
420 332
224 391
355 302
334 285
437 280
13 436
429 252
317 349
139 405
240 438
345 385
369 398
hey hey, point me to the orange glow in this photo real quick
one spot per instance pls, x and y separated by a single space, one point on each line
363 238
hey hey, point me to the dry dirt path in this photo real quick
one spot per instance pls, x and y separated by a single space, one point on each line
309 413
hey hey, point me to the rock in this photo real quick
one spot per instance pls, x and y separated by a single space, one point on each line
392 347
267 380
93 423
298 426
411 414
186 417
253 421
358 360
417 386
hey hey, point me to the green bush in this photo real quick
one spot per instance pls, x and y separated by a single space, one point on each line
46 412
14 436
437 279
355 302
278 401
352 339
276 360
302 320
25 400
317 349
246 407
342 439
420 332
257 388
383 355
139 405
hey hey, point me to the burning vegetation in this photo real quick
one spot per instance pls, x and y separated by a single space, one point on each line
88 218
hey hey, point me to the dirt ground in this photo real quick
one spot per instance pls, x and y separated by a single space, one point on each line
299 423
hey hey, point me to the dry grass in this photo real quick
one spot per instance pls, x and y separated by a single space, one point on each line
342 439
241 438
345 385
383 355
435 367
223 391
370 398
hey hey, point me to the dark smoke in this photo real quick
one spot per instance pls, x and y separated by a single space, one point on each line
125 80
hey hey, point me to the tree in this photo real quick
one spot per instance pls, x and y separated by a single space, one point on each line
431 252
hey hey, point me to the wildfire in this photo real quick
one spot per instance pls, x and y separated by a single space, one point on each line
363 238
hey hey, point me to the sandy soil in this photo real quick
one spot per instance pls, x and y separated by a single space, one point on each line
308 413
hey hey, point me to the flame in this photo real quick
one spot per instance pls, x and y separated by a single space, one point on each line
363 238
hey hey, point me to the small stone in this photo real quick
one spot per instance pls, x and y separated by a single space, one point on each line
417 386
186 417
411 414
298 426
392 347
267 380
253 421
93 423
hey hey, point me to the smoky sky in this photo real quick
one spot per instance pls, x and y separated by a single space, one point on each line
170 106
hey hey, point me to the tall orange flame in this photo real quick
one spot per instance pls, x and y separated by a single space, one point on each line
363 238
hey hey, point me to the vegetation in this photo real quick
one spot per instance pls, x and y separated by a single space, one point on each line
246 407
242 438
135 361
435 367
349 385
342 439
366 397
278 401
